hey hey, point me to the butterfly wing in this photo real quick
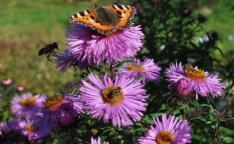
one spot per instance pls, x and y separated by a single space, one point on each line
125 14
88 18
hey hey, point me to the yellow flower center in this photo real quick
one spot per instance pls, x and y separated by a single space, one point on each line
28 101
30 128
112 95
136 68
194 73
54 102
164 137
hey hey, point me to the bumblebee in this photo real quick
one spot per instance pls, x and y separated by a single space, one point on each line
48 50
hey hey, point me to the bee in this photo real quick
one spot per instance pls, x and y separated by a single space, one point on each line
114 93
48 50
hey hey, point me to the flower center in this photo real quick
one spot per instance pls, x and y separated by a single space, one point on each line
194 73
30 128
28 101
164 137
54 102
112 95
136 68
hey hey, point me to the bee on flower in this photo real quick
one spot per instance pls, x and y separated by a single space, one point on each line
188 80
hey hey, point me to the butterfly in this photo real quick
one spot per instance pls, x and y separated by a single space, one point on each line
105 19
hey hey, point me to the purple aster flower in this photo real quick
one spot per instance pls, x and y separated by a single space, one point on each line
183 88
147 70
34 129
121 100
69 110
12 125
190 79
25 104
97 141
64 60
89 48
77 105
169 130
60 110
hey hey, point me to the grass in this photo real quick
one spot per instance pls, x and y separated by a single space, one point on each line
25 24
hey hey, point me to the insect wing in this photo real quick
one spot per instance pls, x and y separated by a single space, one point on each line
88 18
125 13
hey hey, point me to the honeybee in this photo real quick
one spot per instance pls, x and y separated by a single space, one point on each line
48 50
114 93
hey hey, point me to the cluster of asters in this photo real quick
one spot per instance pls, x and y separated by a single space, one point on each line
118 97
37 115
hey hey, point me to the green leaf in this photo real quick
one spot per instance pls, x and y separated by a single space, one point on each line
228 140
227 131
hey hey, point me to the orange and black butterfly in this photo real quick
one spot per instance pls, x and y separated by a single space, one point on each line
105 19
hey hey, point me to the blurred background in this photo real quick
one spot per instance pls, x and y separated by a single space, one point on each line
27 25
